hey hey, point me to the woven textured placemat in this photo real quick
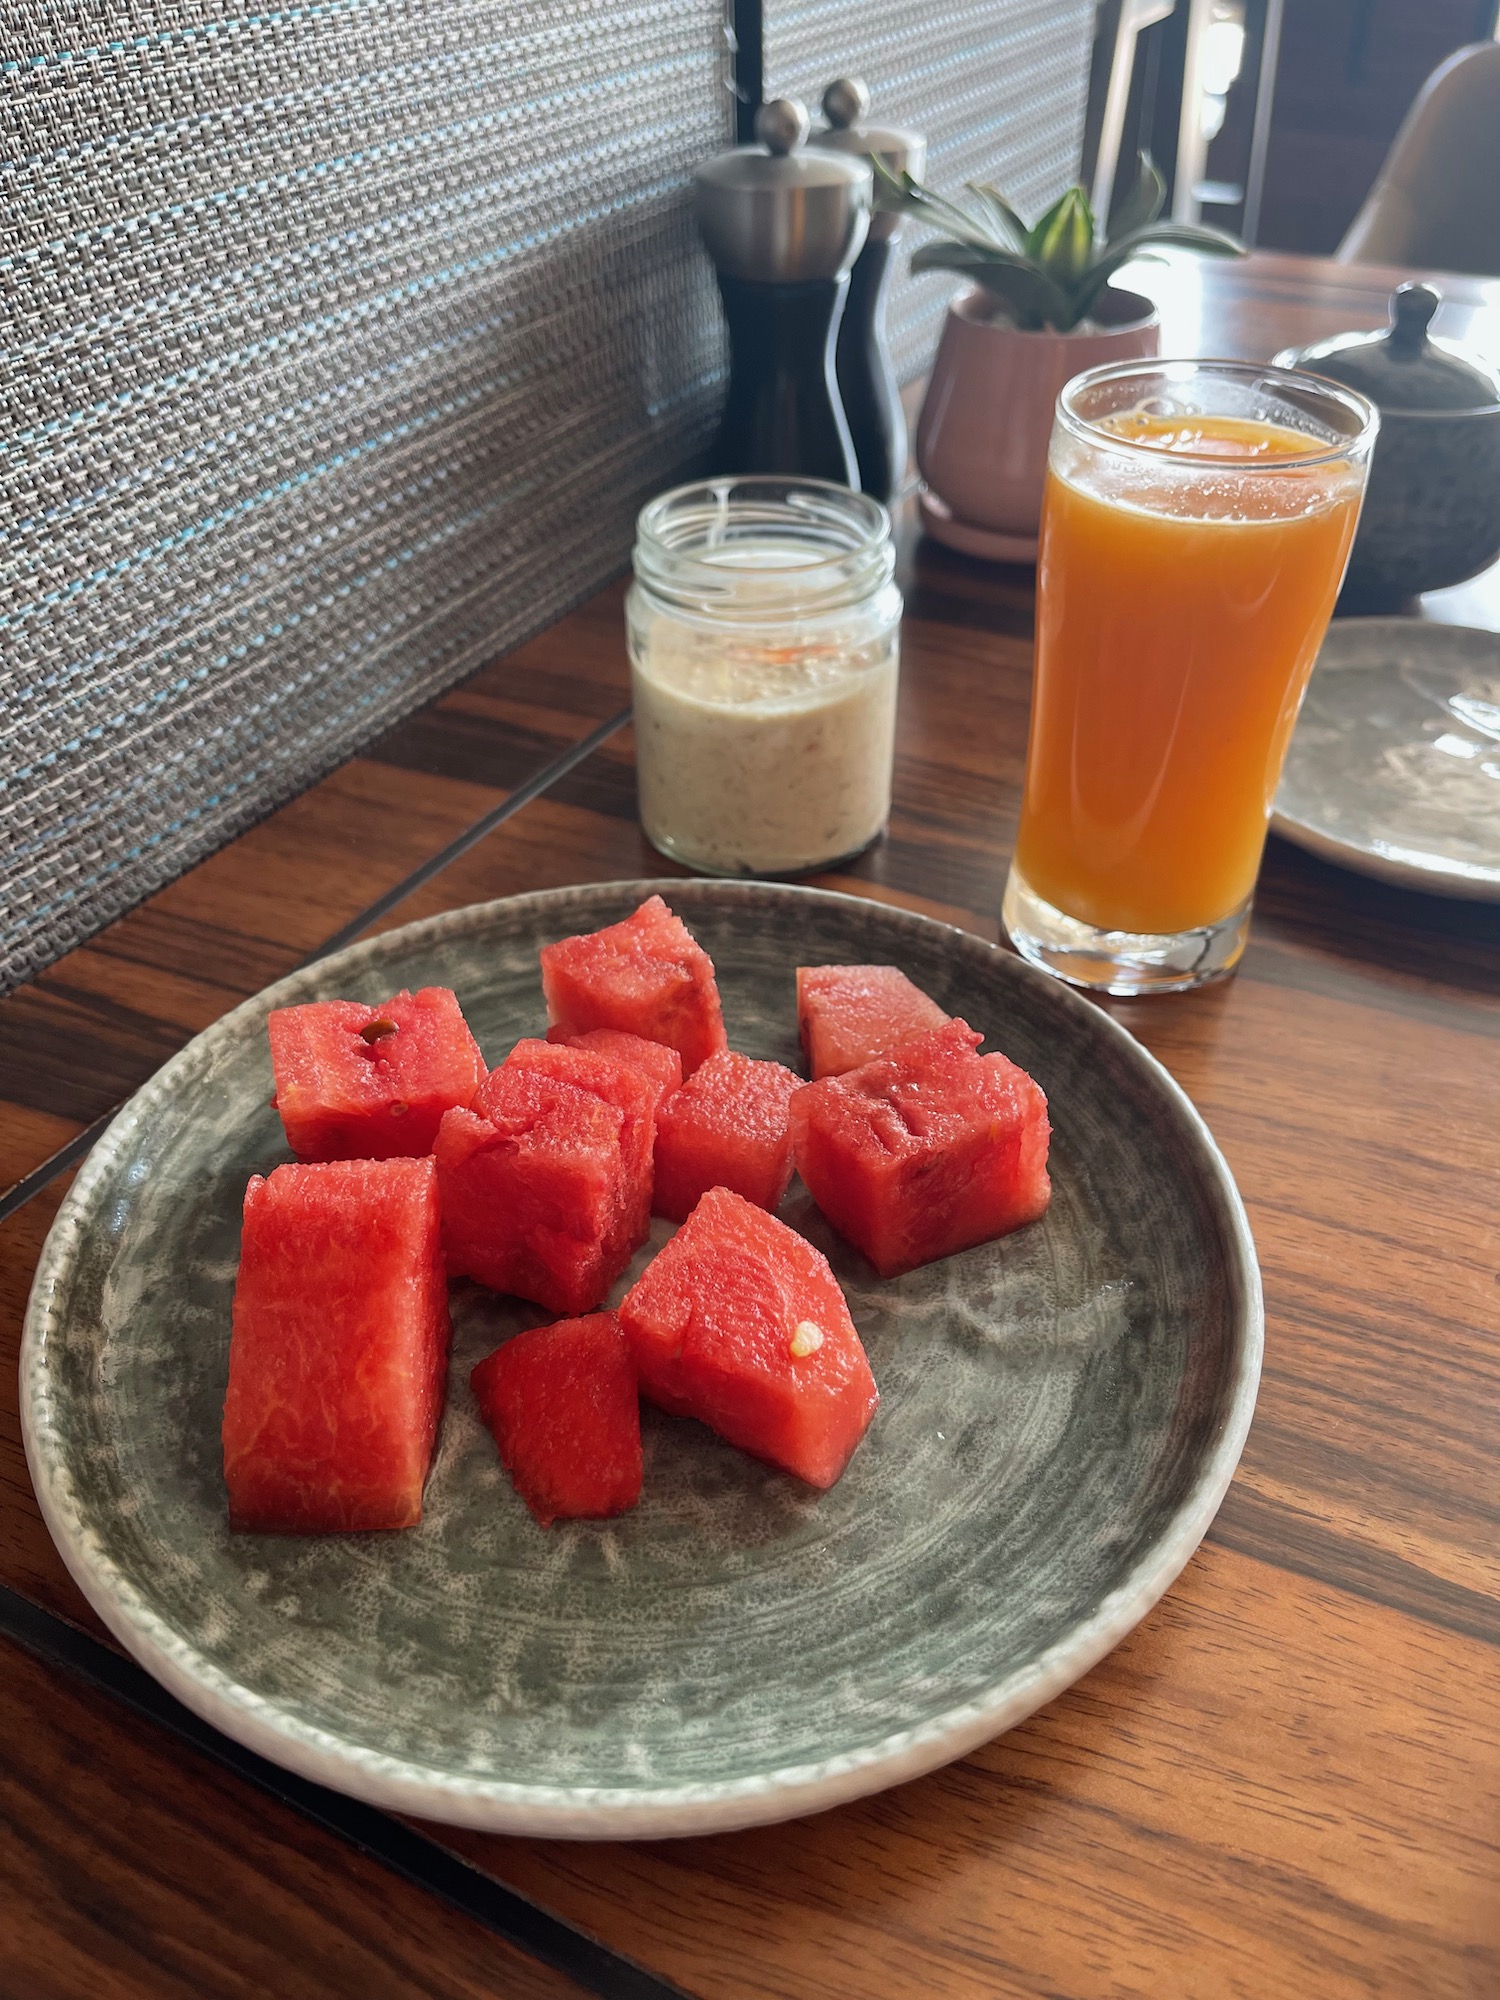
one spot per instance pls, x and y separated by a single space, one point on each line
342 341
998 86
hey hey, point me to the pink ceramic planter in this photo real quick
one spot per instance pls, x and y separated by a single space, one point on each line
987 415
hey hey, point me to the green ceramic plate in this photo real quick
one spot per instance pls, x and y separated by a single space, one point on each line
1060 1416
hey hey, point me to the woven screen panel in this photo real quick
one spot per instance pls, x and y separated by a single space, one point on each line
342 342
998 86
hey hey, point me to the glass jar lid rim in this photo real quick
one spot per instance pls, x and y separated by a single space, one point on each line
1319 452
751 499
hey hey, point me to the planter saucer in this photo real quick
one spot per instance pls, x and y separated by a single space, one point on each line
944 526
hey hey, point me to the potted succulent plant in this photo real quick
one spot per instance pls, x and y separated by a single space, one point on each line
1039 309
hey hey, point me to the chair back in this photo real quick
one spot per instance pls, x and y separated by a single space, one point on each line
1436 202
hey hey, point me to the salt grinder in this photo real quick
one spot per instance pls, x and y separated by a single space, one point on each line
783 225
867 382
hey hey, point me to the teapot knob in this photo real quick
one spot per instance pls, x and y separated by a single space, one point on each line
1412 307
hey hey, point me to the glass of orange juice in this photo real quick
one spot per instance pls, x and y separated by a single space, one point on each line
1197 521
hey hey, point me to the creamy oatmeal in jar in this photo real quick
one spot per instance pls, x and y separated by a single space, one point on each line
764 644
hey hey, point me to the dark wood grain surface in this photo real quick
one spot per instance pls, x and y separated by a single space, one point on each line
149 1874
1284 1783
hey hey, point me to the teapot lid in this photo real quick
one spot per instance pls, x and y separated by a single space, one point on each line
1405 369
780 212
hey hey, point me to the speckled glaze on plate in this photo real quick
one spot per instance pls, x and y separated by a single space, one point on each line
1061 1413
1394 769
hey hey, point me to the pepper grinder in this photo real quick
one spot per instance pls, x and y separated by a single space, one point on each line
783 226
866 379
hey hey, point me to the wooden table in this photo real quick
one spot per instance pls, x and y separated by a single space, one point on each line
1282 1784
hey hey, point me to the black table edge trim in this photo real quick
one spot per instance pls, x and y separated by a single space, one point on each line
419 1860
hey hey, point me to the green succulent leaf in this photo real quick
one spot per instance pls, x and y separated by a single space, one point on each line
1029 295
1036 235
1166 235
1062 243
896 194
1008 226
1160 235
1183 236
901 195
1048 275
1143 204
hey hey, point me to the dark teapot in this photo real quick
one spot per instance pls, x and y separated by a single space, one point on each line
1432 509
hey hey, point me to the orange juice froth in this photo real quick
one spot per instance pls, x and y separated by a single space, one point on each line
1182 598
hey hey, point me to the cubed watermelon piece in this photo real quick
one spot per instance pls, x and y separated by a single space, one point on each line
635 1094
728 1127
849 1014
652 1059
533 1190
562 1404
739 1322
647 976
925 1151
339 1355
371 1083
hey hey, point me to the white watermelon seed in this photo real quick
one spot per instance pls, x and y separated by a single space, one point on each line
807 1338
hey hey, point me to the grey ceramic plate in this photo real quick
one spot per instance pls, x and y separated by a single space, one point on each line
1395 766
1061 1413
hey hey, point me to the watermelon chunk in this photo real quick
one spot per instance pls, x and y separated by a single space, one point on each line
925 1151
533 1190
339 1354
561 1402
371 1083
849 1014
728 1126
635 1094
646 976
652 1059
740 1323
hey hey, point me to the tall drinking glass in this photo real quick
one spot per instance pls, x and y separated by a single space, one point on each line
1197 522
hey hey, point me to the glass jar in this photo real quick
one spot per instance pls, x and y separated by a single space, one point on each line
764 633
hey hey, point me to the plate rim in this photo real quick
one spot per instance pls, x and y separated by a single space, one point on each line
603 1812
1437 878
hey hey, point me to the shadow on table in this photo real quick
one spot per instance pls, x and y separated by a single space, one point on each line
1311 906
